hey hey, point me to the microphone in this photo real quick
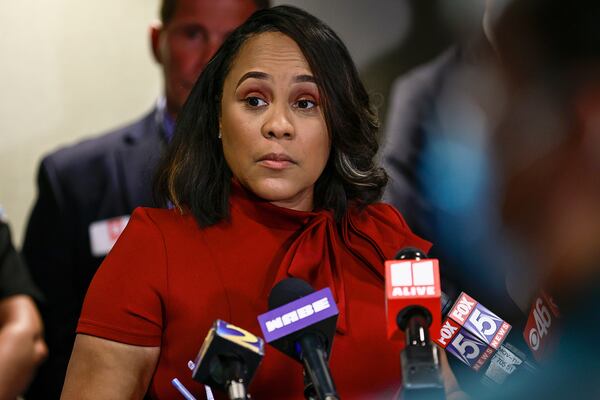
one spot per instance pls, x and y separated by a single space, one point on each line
471 332
412 288
228 359
541 333
474 334
301 324
413 308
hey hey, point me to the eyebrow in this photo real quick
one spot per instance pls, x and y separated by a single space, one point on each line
265 76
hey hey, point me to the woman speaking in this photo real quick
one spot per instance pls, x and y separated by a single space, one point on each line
270 175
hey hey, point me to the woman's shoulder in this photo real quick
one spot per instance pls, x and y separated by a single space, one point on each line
162 219
379 215
161 215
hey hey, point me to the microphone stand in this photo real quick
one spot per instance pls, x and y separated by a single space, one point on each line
318 383
234 383
309 389
421 375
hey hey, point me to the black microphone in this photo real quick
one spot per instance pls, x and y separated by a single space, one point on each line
412 304
301 324
228 359
477 336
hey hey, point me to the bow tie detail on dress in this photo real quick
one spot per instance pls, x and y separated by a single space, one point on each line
317 254
312 257
318 250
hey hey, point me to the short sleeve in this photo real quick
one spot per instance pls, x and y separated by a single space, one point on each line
126 299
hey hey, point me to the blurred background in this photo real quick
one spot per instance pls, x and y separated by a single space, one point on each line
493 146
73 69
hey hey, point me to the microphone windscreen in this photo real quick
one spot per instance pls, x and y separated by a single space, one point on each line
410 253
288 290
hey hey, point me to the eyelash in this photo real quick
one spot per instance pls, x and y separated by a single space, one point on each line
314 104
248 99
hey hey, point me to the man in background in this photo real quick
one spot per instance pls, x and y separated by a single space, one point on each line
22 346
87 191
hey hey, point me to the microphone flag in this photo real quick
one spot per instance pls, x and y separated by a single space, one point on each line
304 312
408 283
471 332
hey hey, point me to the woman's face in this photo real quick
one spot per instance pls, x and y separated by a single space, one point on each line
274 135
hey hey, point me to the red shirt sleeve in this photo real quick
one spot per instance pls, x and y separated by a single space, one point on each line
127 297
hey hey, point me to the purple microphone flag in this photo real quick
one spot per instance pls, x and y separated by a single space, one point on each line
298 314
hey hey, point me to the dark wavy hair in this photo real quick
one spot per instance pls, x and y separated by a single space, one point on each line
194 175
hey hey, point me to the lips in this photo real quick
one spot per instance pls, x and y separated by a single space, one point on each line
276 157
276 161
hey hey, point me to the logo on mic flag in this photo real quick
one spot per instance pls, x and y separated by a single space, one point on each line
540 331
240 336
412 282
413 278
472 332
297 315
480 321
469 349
223 343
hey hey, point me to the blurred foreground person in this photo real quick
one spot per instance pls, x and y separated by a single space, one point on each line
271 173
548 149
437 153
22 346
439 156
87 191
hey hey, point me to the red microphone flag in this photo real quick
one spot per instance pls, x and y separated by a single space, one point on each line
412 283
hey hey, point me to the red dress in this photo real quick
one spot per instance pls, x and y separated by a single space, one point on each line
166 281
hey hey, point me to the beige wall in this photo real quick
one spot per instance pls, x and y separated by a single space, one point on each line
68 69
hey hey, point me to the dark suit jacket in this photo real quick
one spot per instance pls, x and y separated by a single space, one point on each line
412 101
428 110
14 277
96 179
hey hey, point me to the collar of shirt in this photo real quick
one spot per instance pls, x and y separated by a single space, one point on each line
165 120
